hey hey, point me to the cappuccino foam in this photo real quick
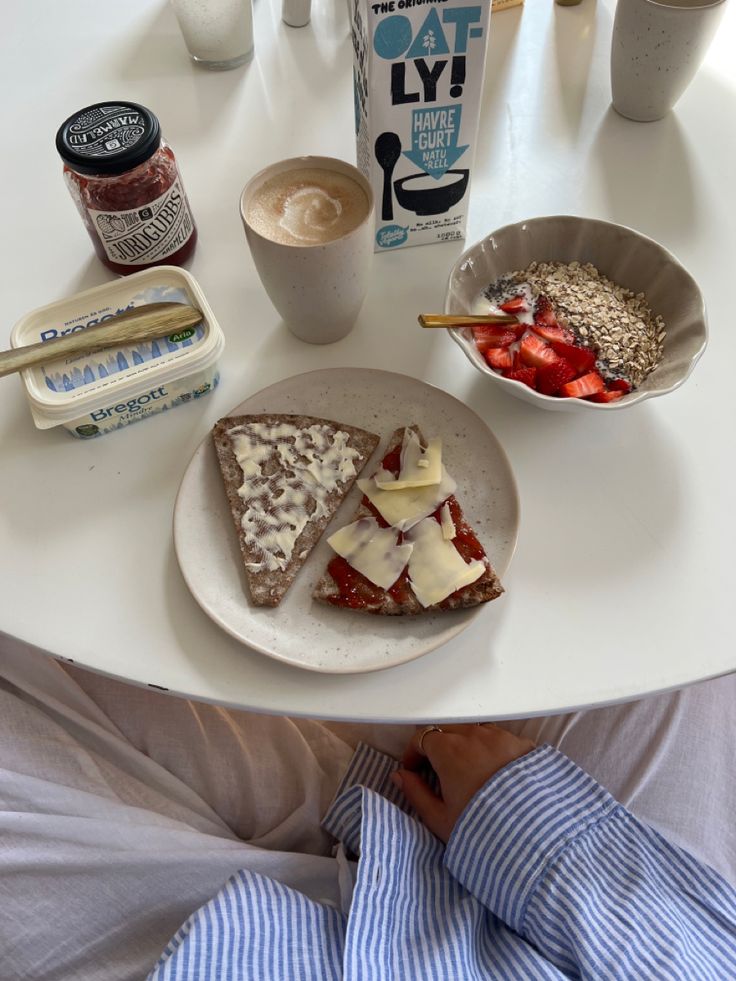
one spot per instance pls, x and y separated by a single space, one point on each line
307 206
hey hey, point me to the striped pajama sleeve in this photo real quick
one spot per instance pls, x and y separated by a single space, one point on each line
594 891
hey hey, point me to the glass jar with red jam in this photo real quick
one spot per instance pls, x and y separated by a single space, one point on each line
126 185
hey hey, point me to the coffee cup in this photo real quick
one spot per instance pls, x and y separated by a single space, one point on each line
657 47
309 225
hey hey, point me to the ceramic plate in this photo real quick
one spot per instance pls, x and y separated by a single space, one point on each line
300 631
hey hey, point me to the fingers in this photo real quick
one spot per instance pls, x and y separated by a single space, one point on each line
429 806
424 744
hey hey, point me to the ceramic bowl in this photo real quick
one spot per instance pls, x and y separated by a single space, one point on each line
625 257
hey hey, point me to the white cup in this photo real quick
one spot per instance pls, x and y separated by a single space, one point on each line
656 49
318 289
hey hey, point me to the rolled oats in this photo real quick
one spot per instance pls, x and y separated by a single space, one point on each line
603 315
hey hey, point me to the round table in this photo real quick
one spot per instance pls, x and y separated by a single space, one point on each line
622 580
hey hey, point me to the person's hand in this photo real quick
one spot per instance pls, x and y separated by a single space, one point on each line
464 757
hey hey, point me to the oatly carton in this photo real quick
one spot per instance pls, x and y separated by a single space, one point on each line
418 77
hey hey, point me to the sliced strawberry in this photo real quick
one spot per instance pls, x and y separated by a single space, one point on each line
527 376
588 384
491 335
552 377
619 385
606 396
543 312
535 353
581 358
517 305
499 358
553 332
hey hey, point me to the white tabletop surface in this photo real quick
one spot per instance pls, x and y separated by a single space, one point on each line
623 579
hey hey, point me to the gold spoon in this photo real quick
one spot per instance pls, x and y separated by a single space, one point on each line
146 323
456 320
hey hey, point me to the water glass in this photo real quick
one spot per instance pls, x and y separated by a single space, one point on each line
217 33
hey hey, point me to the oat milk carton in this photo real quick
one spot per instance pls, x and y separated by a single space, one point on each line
418 77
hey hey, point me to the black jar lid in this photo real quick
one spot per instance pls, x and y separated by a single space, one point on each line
108 138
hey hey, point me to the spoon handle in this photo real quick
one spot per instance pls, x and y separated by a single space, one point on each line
141 324
455 320
387 205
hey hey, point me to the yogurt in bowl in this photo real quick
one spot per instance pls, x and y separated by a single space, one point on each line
93 394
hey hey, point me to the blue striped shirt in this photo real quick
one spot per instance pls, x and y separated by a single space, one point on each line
545 876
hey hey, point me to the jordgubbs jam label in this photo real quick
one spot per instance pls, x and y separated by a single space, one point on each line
146 234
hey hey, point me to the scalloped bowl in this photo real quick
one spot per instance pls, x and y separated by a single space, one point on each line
626 257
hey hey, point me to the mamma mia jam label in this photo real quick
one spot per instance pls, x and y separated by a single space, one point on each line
148 233
419 67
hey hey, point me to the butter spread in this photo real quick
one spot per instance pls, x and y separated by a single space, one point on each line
372 551
288 476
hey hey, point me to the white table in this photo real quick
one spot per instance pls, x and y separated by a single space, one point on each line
623 579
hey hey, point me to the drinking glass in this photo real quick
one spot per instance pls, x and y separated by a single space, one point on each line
218 33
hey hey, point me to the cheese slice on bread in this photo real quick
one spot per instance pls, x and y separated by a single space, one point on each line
409 548
285 476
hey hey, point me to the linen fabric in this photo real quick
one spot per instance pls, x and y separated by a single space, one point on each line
123 810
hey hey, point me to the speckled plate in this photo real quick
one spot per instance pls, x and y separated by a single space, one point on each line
300 631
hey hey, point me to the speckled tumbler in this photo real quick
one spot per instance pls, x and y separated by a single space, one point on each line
657 48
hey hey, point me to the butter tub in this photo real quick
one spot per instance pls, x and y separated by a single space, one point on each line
93 394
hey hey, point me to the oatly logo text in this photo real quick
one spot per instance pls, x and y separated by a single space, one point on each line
444 42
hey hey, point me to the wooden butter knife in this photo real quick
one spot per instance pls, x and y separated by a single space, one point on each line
146 323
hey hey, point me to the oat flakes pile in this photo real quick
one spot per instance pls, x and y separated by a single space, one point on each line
602 315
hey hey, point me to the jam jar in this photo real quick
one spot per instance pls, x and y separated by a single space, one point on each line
126 185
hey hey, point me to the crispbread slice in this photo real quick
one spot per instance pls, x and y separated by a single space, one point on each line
268 586
487 588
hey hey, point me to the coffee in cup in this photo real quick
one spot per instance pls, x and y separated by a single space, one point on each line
309 225
307 206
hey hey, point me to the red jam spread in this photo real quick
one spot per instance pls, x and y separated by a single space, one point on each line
357 592
464 541
125 182
401 589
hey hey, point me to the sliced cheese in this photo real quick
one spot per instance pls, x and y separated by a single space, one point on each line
404 508
372 551
436 568
419 467
447 524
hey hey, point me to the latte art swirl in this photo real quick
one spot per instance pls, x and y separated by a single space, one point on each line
310 214
307 206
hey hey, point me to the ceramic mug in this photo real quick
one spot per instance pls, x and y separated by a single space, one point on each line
317 288
657 48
